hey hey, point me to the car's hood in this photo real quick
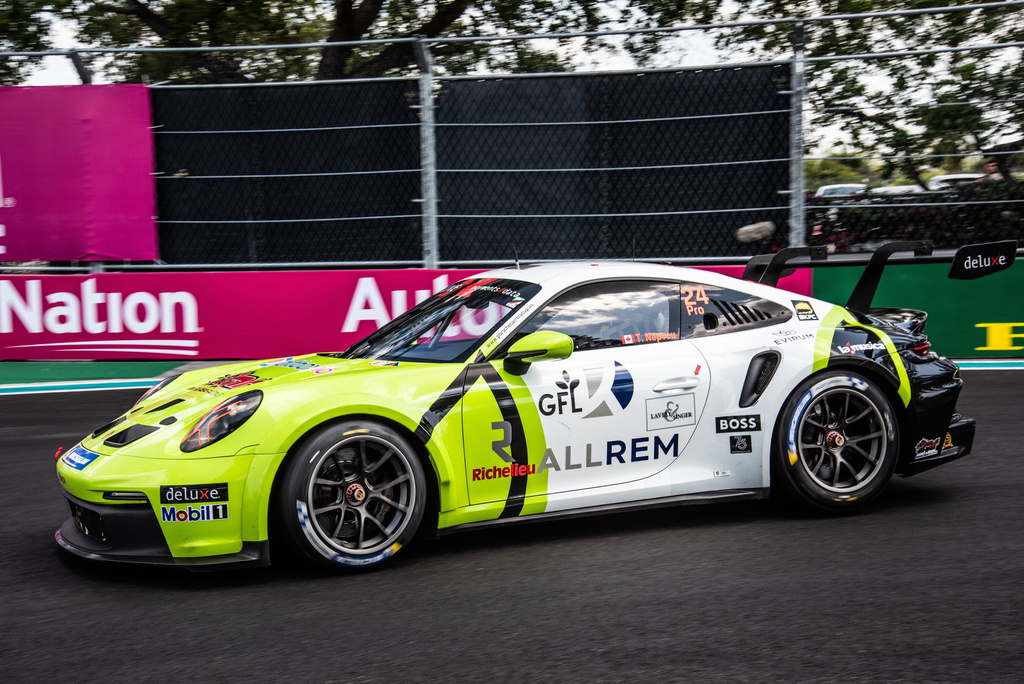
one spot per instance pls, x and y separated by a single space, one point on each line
189 397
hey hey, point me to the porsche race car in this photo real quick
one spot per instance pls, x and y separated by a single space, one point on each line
524 393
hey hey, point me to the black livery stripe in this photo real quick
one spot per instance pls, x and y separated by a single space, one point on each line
442 405
509 413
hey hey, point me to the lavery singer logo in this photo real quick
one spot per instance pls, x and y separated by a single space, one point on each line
101 313
670 413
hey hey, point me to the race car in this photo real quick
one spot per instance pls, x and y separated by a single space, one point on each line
525 393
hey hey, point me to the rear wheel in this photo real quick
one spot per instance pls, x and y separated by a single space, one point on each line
353 494
837 441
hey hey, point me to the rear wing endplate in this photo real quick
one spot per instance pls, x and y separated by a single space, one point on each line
969 262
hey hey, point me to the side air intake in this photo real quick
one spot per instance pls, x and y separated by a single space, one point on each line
760 372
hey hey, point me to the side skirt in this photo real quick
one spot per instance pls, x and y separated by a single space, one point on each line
682 499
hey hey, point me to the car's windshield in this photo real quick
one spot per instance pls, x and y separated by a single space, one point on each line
447 326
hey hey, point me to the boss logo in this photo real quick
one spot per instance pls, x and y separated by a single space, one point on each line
738 424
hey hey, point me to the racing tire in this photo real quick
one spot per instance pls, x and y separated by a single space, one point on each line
836 442
352 495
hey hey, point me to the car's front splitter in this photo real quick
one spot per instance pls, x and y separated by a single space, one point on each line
130 533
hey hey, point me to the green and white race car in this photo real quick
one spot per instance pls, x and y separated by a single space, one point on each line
550 390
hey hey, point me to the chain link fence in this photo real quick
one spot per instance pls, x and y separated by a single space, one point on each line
659 164
288 173
655 165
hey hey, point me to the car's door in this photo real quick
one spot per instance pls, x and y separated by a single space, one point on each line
620 409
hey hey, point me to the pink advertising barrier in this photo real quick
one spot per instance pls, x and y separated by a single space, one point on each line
188 316
76 174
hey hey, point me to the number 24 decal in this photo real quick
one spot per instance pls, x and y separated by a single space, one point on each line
690 297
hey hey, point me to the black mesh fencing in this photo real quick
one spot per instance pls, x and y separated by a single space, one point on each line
658 165
654 165
288 173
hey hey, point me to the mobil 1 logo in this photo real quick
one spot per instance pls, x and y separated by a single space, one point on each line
738 423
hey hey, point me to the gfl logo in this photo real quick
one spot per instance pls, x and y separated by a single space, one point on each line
560 401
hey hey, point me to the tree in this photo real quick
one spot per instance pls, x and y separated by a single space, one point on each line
910 107
202 23
23 28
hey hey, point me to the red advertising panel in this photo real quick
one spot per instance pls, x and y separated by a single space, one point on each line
248 315
76 174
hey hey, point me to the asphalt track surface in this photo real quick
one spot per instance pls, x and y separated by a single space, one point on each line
928 585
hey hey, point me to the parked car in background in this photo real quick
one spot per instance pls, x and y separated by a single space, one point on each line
840 189
952 179
895 190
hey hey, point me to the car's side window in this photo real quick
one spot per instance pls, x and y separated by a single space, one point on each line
612 314
713 310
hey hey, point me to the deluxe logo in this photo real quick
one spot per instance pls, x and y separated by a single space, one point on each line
169 514
738 424
979 260
984 262
95 312
206 493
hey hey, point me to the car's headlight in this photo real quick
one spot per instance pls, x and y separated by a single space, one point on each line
156 388
227 417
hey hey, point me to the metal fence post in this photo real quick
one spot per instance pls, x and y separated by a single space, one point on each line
797 210
83 71
428 154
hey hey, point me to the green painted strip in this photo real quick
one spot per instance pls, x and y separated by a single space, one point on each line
43 387
24 372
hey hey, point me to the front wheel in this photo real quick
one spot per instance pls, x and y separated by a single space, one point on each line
837 442
353 494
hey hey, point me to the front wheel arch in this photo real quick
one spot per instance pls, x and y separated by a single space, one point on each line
286 537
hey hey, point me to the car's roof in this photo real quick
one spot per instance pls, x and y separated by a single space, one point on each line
565 273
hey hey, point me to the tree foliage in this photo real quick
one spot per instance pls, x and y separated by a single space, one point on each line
24 27
909 107
203 23
905 107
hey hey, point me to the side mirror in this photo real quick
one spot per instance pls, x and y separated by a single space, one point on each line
542 345
976 261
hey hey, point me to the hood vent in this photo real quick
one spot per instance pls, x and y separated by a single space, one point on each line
130 435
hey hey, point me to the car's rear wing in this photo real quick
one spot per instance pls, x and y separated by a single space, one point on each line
969 262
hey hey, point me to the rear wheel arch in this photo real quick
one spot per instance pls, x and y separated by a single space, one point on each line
858 481
885 381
